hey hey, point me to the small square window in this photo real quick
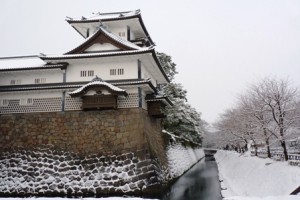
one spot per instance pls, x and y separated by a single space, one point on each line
120 71
113 72
91 73
82 73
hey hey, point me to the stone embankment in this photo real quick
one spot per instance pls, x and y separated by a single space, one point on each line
46 172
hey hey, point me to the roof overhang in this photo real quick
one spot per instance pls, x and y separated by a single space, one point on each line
131 18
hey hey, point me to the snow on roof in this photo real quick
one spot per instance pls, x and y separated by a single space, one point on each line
106 16
97 82
105 31
101 54
48 86
21 62
163 99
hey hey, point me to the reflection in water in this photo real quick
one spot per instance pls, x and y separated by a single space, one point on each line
201 182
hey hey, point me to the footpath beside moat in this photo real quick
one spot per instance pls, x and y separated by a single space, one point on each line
86 154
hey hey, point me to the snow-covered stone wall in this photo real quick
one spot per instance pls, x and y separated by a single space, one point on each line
93 153
48 172
181 158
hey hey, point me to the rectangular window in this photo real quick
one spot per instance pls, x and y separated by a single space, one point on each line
117 72
39 80
82 73
91 73
4 102
120 71
113 72
15 82
26 101
122 34
87 73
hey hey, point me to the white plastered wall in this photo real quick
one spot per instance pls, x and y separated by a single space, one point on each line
146 74
101 68
28 77
101 47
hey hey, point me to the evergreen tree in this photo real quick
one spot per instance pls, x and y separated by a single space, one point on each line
182 119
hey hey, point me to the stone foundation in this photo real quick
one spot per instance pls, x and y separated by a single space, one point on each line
94 153
52 173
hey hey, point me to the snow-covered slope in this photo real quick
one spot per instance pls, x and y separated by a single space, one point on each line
248 176
182 158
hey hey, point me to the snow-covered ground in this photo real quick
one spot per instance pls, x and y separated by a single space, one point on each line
251 178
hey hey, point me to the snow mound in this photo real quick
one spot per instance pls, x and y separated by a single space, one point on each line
248 176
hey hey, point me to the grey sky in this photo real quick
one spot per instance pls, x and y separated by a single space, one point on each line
219 46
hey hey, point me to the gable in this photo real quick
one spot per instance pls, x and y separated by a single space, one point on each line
103 40
96 47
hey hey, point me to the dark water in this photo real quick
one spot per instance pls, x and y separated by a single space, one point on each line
201 182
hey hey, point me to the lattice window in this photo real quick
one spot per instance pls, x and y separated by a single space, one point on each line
85 73
113 72
35 105
120 71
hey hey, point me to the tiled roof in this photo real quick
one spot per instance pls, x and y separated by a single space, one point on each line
74 85
101 54
106 16
97 82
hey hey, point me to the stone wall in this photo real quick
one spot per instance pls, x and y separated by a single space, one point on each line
105 132
101 134
48 173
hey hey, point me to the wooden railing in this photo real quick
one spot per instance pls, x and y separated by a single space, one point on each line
99 102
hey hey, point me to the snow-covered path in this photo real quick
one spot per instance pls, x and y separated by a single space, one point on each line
250 177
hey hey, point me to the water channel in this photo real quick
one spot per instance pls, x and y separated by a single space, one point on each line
201 182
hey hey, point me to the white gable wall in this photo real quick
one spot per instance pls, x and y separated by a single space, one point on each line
101 47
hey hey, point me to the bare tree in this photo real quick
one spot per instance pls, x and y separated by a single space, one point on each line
257 115
279 99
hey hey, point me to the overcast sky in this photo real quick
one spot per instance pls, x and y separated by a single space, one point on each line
219 46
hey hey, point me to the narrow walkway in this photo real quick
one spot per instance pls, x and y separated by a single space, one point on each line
201 182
